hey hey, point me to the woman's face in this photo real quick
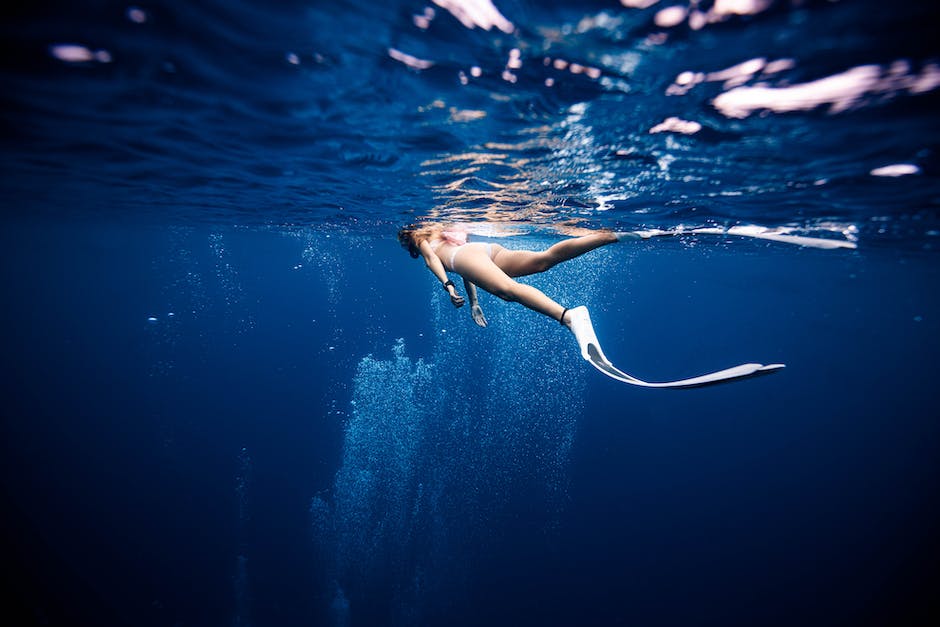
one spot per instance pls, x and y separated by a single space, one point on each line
407 240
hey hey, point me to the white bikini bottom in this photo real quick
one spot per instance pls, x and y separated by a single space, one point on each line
453 256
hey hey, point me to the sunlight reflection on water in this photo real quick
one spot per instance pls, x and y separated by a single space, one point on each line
631 113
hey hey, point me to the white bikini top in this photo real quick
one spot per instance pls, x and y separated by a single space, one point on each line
454 238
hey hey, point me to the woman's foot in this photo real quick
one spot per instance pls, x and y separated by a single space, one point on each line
571 317
579 322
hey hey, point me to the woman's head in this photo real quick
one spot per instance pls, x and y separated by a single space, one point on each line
413 234
406 237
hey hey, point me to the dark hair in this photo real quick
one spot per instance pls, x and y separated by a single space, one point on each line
407 241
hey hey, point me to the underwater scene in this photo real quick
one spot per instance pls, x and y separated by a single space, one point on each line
232 397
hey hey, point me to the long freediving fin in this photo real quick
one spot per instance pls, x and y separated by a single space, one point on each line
580 324
779 234
783 234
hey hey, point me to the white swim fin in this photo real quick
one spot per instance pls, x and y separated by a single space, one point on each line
780 234
580 323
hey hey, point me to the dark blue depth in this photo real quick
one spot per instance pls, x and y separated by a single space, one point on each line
144 458
232 399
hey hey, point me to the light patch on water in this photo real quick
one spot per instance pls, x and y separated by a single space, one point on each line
670 16
411 61
720 11
423 20
574 68
76 53
896 169
733 76
624 63
136 15
465 115
841 92
477 14
677 125
638 4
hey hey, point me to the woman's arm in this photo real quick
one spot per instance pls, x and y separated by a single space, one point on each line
475 310
434 264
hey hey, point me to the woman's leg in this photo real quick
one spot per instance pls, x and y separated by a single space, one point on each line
524 262
476 266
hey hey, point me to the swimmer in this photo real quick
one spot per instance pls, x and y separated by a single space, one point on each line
494 268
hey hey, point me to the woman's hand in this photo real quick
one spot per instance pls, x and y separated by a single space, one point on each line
477 312
456 298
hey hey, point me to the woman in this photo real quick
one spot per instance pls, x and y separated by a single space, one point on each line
494 268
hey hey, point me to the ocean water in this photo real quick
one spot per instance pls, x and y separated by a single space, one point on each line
232 399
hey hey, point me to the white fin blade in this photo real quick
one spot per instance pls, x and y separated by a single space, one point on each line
757 232
779 235
580 322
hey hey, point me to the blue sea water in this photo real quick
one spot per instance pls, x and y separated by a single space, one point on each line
231 399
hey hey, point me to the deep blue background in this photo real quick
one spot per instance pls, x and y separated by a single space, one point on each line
806 496
315 436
